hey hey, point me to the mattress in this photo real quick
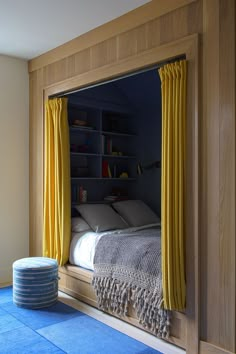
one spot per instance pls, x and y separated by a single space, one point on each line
83 244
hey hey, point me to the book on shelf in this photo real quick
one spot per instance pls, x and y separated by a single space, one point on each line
106 145
106 170
109 171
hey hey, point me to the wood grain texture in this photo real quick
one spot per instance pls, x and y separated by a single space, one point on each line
62 76
192 203
181 22
207 348
121 67
189 46
227 177
210 288
104 53
122 24
218 155
146 38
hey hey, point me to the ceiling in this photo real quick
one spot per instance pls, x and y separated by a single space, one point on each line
29 28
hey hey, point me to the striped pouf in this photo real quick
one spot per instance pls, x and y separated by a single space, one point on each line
35 282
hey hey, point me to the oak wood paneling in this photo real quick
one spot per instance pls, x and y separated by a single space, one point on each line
192 203
134 41
218 187
207 348
122 24
210 288
189 46
181 22
127 44
81 62
153 33
104 53
227 177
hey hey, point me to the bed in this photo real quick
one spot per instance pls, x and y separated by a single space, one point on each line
115 265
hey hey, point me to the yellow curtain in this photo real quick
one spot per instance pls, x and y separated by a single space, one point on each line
173 88
57 204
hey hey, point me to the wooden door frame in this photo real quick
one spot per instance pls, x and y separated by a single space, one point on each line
188 46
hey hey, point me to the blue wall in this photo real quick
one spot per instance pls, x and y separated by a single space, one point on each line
144 93
141 95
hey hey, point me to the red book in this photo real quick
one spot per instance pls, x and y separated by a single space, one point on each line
105 169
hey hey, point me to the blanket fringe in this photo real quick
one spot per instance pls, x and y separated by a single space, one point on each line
116 296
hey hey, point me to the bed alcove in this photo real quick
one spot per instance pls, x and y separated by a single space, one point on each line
77 282
134 103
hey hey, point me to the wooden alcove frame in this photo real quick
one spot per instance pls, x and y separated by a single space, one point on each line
77 282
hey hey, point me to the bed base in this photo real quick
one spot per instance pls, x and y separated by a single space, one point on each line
76 281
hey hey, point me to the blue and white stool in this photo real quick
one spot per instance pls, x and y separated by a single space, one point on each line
35 282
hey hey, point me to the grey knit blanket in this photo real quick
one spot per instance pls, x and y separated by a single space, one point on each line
127 269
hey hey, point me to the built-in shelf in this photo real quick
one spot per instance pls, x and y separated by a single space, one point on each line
87 154
119 178
76 129
119 156
106 150
102 155
116 133
104 178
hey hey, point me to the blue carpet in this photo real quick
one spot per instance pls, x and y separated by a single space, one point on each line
59 329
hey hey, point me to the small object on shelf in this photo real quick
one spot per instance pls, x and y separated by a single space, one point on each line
84 196
151 166
124 175
109 172
139 169
79 122
104 168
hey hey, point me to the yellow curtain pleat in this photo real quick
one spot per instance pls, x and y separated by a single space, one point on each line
173 87
57 194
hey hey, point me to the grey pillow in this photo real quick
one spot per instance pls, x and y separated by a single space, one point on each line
101 217
78 224
136 212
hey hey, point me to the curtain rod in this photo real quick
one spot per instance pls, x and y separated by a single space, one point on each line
154 67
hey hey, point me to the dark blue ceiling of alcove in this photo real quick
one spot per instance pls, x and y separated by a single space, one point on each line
142 91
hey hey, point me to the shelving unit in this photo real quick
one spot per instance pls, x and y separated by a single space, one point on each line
103 152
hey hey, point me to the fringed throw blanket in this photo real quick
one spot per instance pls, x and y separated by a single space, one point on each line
127 267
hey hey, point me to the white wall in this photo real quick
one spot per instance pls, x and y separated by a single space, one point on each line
14 164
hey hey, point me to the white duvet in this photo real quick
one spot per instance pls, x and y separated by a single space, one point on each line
83 244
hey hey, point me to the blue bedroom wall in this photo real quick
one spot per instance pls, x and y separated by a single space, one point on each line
143 91
139 94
